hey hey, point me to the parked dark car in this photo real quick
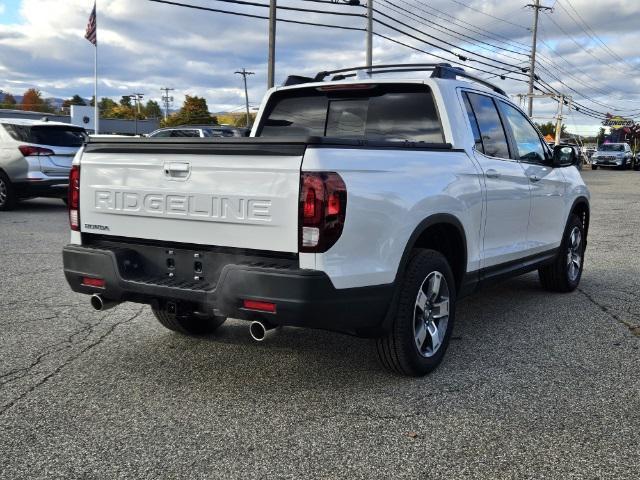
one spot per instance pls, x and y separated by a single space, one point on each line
202 131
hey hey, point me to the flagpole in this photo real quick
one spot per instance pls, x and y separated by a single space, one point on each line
95 92
96 113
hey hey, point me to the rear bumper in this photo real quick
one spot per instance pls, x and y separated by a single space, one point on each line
303 298
55 188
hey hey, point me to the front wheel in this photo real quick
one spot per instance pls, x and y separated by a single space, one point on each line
424 317
188 323
563 275
594 167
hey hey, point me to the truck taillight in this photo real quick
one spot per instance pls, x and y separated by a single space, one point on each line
323 206
73 199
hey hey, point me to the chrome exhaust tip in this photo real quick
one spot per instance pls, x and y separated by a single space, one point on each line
260 330
101 304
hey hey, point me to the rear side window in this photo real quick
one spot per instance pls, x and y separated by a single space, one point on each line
389 113
474 124
494 140
53 135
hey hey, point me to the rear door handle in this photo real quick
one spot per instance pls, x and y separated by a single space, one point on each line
491 173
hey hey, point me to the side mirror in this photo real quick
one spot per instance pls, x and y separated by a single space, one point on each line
564 156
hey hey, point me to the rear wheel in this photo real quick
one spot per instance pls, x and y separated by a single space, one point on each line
7 193
594 167
188 323
424 317
564 274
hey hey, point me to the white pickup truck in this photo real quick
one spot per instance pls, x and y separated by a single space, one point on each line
364 204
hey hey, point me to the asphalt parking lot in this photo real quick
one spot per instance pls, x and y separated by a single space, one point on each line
533 386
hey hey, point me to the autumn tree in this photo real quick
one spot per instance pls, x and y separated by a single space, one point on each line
32 101
193 111
549 128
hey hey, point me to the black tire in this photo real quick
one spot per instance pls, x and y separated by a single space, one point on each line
398 350
188 323
8 198
636 165
560 276
594 167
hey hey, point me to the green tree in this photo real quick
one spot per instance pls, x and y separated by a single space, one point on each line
75 100
105 105
9 101
194 110
601 136
152 109
125 101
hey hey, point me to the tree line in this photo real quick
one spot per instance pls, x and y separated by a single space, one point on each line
194 109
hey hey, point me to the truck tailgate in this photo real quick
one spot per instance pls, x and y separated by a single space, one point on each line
241 193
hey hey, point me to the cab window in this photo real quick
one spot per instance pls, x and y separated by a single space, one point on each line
527 139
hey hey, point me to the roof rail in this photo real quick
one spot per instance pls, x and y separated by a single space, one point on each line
439 70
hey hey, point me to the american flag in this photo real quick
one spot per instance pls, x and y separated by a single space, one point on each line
92 28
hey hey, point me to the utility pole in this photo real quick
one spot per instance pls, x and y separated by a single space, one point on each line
166 99
272 44
532 75
559 120
369 34
244 74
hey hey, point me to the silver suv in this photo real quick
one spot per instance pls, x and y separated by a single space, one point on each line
612 155
35 159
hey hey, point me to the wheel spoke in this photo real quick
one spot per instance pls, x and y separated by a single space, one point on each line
435 336
441 309
434 286
421 301
421 335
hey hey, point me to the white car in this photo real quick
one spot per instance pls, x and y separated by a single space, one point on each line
367 206
35 158
617 155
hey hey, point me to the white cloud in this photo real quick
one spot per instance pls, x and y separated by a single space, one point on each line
145 46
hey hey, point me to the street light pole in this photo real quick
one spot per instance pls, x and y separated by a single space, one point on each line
272 44
137 97
244 74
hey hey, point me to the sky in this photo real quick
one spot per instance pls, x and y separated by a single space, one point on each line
588 48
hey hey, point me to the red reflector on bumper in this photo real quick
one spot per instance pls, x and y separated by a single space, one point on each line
93 282
259 306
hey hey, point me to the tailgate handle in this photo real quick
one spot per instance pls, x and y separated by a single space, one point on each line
177 169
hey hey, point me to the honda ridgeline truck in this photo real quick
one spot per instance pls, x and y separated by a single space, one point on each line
364 204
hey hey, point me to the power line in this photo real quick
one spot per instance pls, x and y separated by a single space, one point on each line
453 33
589 31
488 14
251 15
509 65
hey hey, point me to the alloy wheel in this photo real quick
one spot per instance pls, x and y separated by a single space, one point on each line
431 314
3 192
574 254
